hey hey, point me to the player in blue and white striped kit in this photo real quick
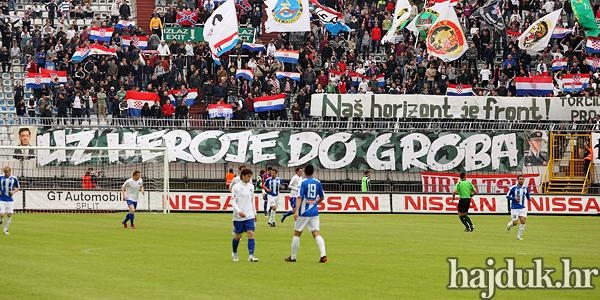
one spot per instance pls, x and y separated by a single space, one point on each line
9 185
306 213
517 195
272 188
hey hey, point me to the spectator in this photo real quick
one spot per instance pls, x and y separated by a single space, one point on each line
156 25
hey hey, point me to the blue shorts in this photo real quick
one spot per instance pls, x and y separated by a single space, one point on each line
134 203
293 202
243 226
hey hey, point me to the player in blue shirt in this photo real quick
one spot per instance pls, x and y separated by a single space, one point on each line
272 188
9 185
518 195
306 213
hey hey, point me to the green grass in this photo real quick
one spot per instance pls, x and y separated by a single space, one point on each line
187 256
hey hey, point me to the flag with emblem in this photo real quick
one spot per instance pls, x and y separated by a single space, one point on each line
221 31
36 81
254 47
220 111
190 96
512 35
537 36
402 12
592 45
459 90
491 13
295 76
61 76
592 62
136 100
559 64
287 56
287 16
268 103
187 18
446 38
534 86
574 83
356 78
331 19
139 41
125 24
101 34
584 12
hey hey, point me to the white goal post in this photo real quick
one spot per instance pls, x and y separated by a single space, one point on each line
86 179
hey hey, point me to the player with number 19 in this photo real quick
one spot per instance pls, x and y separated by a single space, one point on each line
306 214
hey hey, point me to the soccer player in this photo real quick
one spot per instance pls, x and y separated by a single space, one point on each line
465 190
266 175
272 188
294 186
237 179
131 190
9 185
306 213
518 207
244 214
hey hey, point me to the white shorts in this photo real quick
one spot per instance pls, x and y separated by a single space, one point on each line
312 223
6 207
273 200
516 213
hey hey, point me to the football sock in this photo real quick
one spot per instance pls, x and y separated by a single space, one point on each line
321 244
289 213
521 229
235 243
469 221
296 246
463 220
126 218
7 223
251 246
265 206
272 216
131 217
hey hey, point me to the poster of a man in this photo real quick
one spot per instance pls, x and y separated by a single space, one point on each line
537 154
25 137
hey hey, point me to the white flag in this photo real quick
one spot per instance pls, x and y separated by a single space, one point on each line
221 29
423 21
537 36
287 16
401 14
446 38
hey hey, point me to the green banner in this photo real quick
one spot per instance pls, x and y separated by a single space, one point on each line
402 151
195 34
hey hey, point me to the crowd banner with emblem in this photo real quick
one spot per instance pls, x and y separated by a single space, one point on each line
454 107
537 36
423 21
287 16
492 14
446 38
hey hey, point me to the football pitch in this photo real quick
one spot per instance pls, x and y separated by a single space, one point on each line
188 256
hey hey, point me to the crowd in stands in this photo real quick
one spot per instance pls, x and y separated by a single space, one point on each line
98 84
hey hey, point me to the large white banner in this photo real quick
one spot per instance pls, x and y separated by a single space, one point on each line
215 201
496 204
455 107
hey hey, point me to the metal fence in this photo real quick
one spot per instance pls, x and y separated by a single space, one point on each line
317 124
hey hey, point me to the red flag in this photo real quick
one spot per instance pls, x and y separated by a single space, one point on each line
187 18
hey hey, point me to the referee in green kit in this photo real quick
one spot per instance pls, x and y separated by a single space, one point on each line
465 189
